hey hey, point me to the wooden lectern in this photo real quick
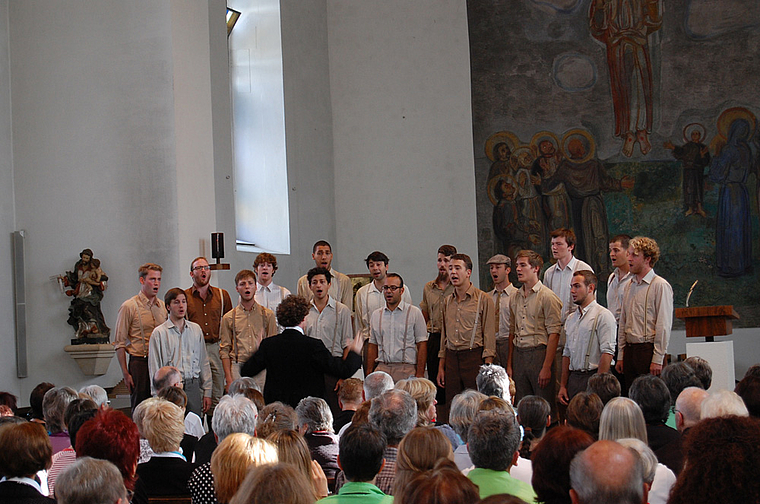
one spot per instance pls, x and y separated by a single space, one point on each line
707 321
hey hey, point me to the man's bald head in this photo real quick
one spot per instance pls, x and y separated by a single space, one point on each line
167 376
607 473
688 406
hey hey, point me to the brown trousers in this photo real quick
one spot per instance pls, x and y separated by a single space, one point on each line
138 368
637 358
462 367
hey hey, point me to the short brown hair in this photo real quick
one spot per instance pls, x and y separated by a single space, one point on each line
280 482
292 310
648 247
173 294
197 259
265 257
565 233
351 390
465 258
584 412
274 417
24 449
589 278
174 395
535 260
623 239
447 250
145 268
246 273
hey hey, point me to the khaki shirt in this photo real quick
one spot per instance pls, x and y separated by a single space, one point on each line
459 317
208 313
432 305
535 316
243 330
501 302
135 323
341 289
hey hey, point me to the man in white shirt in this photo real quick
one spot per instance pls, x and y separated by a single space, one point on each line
179 343
268 294
558 276
646 315
398 339
329 321
621 275
500 266
591 332
340 286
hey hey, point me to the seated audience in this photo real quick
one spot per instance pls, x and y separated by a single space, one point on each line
423 392
376 383
276 416
315 424
722 460
533 413
68 455
502 499
584 412
419 451
463 409
24 451
361 415
551 463
167 376
292 449
91 481
702 369
111 435
749 390
167 472
443 485
193 424
231 461
677 376
361 458
492 380
9 400
493 440
606 473
35 402
688 408
249 388
753 370
279 483
350 397
53 407
605 385
96 393
653 397
657 494
723 403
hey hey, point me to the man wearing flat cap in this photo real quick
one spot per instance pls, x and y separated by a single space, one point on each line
499 267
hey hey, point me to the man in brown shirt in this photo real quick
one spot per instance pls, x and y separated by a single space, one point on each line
467 338
243 328
137 318
432 309
534 327
206 305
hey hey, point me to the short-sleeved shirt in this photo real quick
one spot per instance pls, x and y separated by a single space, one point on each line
468 323
432 304
184 350
647 315
368 299
332 326
135 323
501 303
243 330
340 289
396 333
534 316
208 312
594 320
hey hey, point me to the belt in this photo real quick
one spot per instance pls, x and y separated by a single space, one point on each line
587 372
530 349
465 350
137 357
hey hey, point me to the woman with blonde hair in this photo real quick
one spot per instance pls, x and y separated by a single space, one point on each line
423 391
419 451
234 457
278 483
292 449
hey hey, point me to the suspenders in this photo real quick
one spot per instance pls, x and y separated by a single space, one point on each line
403 337
235 348
477 317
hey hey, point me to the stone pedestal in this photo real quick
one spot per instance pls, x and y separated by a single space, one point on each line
93 360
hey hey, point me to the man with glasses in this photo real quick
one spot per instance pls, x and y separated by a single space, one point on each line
206 305
398 334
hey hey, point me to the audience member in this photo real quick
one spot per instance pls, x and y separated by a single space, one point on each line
652 395
96 393
423 392
492 380
274 417
753 370
376 383
607 473
502 499
9 400
605 385
443 485
25 450
584 412
551 463
749 390
91 481
722 458
193 424
702 369
463 409
35 402
167 472
533 413
658 493
677 376
493 442
315 424
53 407
688 408
350 397
281 483
361 458
166 376
723 403
418 452
68 455
231 462
292 449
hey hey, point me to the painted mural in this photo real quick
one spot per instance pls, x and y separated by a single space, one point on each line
622 116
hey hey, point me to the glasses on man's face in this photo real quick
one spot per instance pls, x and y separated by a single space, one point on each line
202 268
391 288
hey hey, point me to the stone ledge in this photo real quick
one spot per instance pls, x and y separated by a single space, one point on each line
93 360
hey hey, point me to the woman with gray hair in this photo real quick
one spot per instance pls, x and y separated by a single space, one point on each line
315 423
463 409
53 407
93 481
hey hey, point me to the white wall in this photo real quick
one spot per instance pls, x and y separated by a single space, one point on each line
402 129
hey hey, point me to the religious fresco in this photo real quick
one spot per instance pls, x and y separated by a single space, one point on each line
619 116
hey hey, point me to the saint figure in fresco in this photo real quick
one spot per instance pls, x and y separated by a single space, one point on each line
695 157
556 205
624 26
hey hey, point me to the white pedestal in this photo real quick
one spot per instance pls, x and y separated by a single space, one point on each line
93 360
720 355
